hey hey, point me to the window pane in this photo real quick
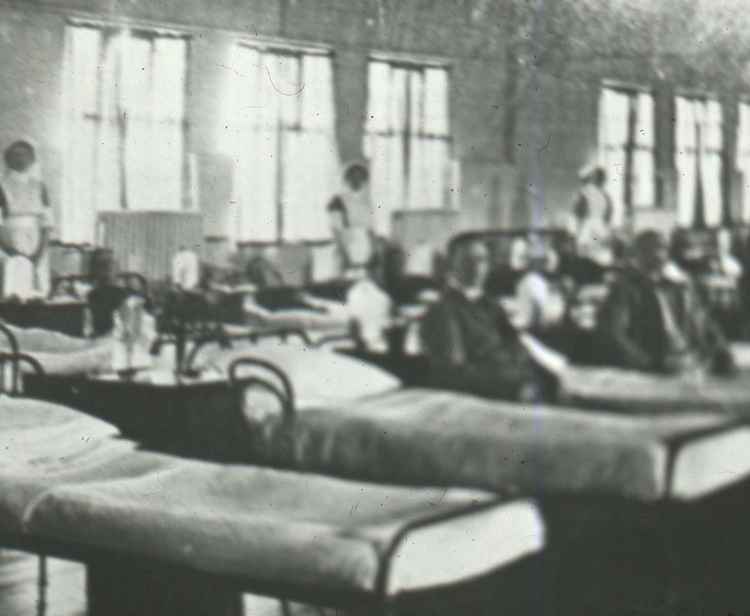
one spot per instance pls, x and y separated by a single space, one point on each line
284 86
310 170
436 102
644 129
137 77
83 60
416 103
169 74
614 164
413 171
643 178
743 157
78 207
712 124
397 107
317 95
686 169
684 125
712 198
613 118
378 95
281 128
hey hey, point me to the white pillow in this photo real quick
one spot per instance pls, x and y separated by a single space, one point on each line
319 376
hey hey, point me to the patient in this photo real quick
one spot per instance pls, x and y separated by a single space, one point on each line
657 323
469 341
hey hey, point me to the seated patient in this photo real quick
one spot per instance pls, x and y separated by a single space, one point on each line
469 341
658 323
106 296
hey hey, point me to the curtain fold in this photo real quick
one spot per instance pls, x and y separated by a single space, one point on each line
685 154
614 110
742 162
694 117
643 172
711 163
78 208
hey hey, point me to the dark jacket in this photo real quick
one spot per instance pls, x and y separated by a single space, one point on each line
632 331
471 346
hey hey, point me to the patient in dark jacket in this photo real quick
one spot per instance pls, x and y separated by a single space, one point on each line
656 323
470 344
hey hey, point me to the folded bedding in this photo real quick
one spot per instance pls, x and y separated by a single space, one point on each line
430 437
66 478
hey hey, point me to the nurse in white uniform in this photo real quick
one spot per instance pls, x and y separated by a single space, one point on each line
26 222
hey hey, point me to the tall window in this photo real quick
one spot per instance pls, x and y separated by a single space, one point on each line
125 124
698 144
743 157
408 139
280 130
626 145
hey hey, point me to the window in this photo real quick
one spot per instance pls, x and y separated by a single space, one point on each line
408 139
279 129
698 145
124 119
626 145
743 157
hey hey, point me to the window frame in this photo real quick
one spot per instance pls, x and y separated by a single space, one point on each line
633 91
119 28
298 50
415 64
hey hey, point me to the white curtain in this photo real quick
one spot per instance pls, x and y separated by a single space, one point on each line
643 174
124 123
743 157
407 139
614 109
78 209
685 160
711 163
692 156
279 128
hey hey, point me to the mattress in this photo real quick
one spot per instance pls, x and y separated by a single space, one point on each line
59 353
640 392
45 445
291 529
67 479
429 437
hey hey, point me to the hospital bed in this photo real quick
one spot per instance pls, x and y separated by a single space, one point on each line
165 535
628 497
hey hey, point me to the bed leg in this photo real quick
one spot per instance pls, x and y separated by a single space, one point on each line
117 588
42 583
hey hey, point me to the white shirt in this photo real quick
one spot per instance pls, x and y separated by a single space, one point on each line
536 303
186 269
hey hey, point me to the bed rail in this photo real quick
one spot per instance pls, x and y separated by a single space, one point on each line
284 394
10 337
11 382
225 339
